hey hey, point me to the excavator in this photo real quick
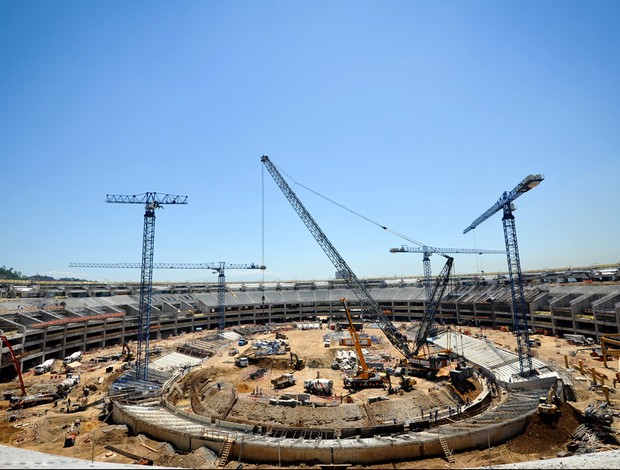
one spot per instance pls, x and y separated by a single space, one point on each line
430 364
406 383
548 406
127 353
365 377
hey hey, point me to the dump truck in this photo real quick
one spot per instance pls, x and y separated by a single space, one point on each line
323 387
285 380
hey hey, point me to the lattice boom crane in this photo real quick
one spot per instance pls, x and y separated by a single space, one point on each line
366 301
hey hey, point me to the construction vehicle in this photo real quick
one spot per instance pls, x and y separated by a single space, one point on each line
406 383
44 367
322 387
66 385
242 361
579 340
285 380
5 340
297 363
365 377
72 357
549 406
127 353
367 303
534 343
17 403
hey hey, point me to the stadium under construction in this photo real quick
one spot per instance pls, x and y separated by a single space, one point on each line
52 321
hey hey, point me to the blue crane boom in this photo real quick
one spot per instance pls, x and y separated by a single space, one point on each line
529 182
519 305
367 303
151 201
218 267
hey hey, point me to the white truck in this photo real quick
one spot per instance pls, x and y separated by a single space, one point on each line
322 387
44 367
579 340
67 384
242 361
72 358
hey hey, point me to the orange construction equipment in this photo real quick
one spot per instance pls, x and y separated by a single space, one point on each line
365 376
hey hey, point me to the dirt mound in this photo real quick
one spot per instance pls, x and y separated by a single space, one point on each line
273 363
244 388
317 362
200 458
111 434
542 435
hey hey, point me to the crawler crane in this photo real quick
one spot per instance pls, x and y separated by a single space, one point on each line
367 303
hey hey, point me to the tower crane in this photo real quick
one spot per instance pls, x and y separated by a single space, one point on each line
519 306
151 202
427 251
218 267
367 303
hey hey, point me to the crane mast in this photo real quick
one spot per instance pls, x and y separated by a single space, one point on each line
151 202
519 304
366 300
219 268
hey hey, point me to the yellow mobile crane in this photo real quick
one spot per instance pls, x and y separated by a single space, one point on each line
365 377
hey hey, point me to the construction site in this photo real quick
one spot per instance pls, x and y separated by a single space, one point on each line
432 372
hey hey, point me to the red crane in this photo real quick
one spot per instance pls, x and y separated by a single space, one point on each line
15 363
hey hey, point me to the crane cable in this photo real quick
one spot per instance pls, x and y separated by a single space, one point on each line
387 229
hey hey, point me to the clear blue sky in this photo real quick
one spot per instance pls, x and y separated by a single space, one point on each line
416 114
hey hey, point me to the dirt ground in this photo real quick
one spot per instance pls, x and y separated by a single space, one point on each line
44 428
